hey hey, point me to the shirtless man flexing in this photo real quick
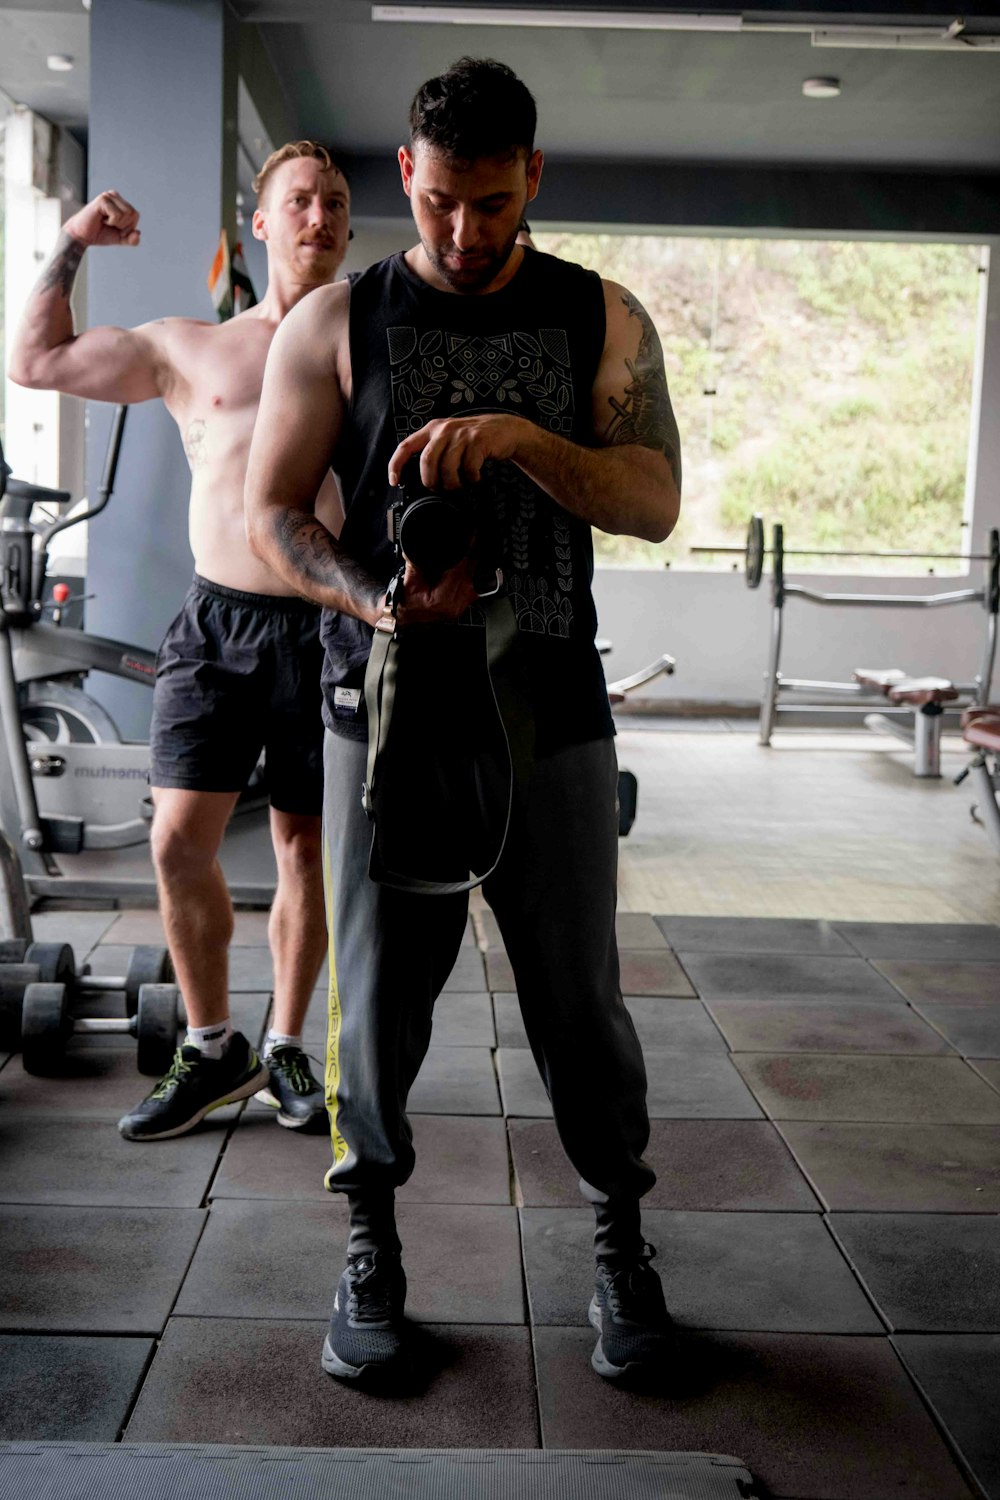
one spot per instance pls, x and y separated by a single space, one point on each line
239 669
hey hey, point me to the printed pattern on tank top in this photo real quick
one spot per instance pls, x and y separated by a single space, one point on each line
440 374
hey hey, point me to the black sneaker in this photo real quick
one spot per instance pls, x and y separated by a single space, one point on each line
293 1091
193 1086
366 1336
631 1317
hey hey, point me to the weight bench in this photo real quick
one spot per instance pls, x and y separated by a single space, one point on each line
981 728
926 696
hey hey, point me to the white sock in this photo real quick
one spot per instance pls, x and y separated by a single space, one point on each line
211 1041
280 1039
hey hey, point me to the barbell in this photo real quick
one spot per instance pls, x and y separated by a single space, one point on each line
754 552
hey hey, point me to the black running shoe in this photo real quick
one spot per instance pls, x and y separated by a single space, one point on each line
193 1086
293 1091
631 1317
366 1336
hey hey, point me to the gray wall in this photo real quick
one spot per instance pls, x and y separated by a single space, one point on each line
161 79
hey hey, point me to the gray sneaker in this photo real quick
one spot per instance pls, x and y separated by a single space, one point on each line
192 1087
293 1091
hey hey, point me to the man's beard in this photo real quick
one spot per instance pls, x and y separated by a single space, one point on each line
476 278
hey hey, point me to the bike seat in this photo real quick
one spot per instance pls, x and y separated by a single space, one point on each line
19 489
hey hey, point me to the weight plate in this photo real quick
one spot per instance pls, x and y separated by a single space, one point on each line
14 980
46 1025
55 962
991 582
148 965
12 951
628 795
156 1028
755 552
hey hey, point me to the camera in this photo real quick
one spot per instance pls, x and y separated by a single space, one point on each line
433 531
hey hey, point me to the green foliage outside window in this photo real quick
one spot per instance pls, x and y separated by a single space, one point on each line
842 376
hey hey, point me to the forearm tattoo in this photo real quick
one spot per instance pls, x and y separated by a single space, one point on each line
60 271
645 417
317 558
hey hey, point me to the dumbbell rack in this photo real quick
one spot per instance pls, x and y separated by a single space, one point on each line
41 989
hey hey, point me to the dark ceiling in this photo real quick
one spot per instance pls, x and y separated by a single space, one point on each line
646 95
603 94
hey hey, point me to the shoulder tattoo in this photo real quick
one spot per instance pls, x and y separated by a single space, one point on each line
60 272
645 416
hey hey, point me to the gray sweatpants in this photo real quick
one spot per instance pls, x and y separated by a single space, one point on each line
554 896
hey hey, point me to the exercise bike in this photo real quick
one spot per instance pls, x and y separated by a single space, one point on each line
68 781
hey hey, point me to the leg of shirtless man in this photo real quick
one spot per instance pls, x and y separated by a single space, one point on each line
239 669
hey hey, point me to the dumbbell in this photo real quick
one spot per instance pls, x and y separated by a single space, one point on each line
47 1025
53 963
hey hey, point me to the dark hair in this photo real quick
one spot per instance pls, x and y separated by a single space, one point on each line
478 108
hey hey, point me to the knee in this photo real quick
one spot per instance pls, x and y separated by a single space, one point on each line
177 854
299 853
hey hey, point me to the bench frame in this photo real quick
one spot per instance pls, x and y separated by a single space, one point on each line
820 696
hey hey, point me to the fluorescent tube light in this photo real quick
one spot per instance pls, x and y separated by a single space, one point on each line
625 20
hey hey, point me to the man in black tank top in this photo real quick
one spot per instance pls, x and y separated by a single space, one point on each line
532 384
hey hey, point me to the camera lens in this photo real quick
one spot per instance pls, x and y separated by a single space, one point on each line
435 533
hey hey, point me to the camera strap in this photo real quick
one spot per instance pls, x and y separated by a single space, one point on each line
381 701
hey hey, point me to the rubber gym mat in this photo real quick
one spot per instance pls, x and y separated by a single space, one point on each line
164 1471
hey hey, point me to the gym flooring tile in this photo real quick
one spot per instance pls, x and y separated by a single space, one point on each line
831 1026
459 1160
282 1260
943 984
752 935
900 1168
658 1022
644 971
699 1164
468 976
814 1416
973 1030
83 930
239 1381
723 976
680 1085
990 1070
767 1272
959 1375
93 1270
459 1021
72 1389
927 1272
456 1081
942 942
633 929
85 1161
92 1081
804 1086
249 928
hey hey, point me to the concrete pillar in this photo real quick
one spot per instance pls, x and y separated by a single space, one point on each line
163 81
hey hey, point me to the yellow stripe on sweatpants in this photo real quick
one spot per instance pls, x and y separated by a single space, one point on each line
334 1018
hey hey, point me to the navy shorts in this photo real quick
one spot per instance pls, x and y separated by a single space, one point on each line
237 674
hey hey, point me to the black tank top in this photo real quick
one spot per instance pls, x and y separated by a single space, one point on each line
531 349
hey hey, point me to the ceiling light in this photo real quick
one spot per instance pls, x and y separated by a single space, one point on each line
625 20
60 62
821 88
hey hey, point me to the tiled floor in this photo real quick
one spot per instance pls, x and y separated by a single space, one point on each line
826 1131
820 1012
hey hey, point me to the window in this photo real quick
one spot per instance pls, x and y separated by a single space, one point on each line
824 384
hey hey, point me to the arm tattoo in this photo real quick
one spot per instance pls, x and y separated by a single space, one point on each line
646 417
60 272
317 557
